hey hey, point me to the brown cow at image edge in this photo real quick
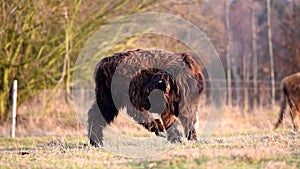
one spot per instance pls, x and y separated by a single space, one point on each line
290 88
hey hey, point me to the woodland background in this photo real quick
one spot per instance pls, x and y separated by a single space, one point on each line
257 41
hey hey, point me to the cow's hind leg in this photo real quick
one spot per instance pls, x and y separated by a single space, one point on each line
295 115
282 108
188 124
96 123
281 115
98 117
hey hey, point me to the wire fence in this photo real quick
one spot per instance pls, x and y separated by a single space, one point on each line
242 90
83 98
86 96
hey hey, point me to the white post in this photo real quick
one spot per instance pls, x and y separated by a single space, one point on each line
14 109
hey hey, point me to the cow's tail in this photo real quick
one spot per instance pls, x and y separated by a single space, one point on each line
285 99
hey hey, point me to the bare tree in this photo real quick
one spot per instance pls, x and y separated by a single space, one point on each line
228 52
254 55
245 83
271 53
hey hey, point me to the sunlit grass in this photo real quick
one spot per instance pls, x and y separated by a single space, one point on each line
238 142
273 150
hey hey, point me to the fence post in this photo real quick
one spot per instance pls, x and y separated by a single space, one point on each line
14 109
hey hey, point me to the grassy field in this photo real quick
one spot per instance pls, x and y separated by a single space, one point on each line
252 150
240 141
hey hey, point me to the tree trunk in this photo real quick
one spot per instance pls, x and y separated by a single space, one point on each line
4 95
254 55
67 55
228 53
271 53
245 83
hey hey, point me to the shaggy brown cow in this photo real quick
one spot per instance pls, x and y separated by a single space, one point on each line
290 87
176 75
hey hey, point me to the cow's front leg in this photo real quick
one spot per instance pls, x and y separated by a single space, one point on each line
146 120
169 120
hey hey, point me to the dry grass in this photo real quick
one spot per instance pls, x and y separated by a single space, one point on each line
274 150
57 140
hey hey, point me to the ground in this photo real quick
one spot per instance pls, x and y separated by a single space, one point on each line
240 141
255 150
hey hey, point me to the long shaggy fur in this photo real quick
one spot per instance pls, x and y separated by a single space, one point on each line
176 75
290 88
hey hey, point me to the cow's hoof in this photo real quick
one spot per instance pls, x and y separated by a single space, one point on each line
174 136
191 135
174 139
96 144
